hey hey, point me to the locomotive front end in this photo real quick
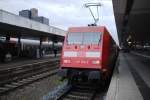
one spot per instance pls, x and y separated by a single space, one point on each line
82 53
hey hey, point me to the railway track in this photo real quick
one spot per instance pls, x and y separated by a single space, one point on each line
17 77
79 92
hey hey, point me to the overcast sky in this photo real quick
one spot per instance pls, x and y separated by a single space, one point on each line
66 13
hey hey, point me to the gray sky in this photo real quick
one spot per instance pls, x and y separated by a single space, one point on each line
66 13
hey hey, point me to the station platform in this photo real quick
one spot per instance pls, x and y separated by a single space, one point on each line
131 78
144 53
24 61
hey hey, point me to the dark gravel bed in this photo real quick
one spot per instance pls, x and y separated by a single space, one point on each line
34 91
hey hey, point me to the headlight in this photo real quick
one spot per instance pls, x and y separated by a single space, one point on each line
66 61
96 62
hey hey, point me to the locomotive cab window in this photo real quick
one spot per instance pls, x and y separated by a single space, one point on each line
84 38
74 38
91 38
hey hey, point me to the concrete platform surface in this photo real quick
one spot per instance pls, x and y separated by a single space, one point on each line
126 81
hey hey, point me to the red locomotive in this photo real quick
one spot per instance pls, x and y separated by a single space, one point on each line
88 53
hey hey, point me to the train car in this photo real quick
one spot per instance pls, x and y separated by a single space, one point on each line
7 50
29 49
88 53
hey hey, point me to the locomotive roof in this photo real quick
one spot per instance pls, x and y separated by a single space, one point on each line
87 29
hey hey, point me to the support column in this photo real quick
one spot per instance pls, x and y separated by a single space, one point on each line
7 38
19 46
54 48
7 56
40 47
